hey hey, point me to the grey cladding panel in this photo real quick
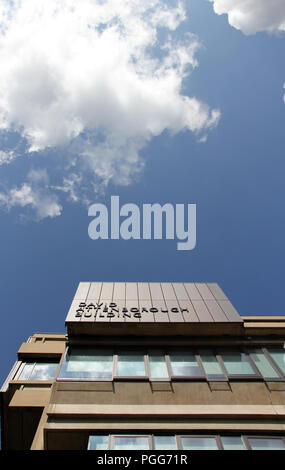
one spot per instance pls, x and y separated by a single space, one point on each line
216 291
202 311
168 291
192 291
205 291
143 290
155 291
180 291
230 311
107 291
174 314
94 291
131 291
82 291
188 311
216 311
119 291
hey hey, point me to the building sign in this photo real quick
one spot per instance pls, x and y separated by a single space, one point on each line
111 310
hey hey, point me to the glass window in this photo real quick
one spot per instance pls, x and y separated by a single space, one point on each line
26 371
165 443
38 371
258 443
184 364
237 363
98 443
131 364
81 363
263 364
211 365
157 364
232 443
279 357
131 443
199 443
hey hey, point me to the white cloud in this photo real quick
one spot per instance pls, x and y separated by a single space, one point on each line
33 194
6 156
252 16
94 81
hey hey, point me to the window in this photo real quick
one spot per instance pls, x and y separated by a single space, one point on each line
40 370
199 443
263 364
278 356
165 443
237 364
259 443
130 443
211 365
184 364
185 442
232 443
98 443
157 364
86 363
131 364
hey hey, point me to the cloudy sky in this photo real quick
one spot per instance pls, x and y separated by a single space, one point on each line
167 102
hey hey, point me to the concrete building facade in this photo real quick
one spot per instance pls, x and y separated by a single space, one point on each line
159 366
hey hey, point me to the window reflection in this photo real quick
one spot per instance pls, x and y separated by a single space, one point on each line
38 371
237 363
257 443
199 443
131 443
165 443
232 443
184 364
131 364
86 363
157 364
98 443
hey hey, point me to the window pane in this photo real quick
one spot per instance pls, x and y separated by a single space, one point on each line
237 363
211 365
157 365
131 443
98 443
184 363
199 443
38 371
87 364
131 364
165 443
279 357
232 443
263 364
26 371
258 443
44 371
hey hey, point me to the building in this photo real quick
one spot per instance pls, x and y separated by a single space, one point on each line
149 365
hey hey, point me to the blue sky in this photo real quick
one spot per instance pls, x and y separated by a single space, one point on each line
177 103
